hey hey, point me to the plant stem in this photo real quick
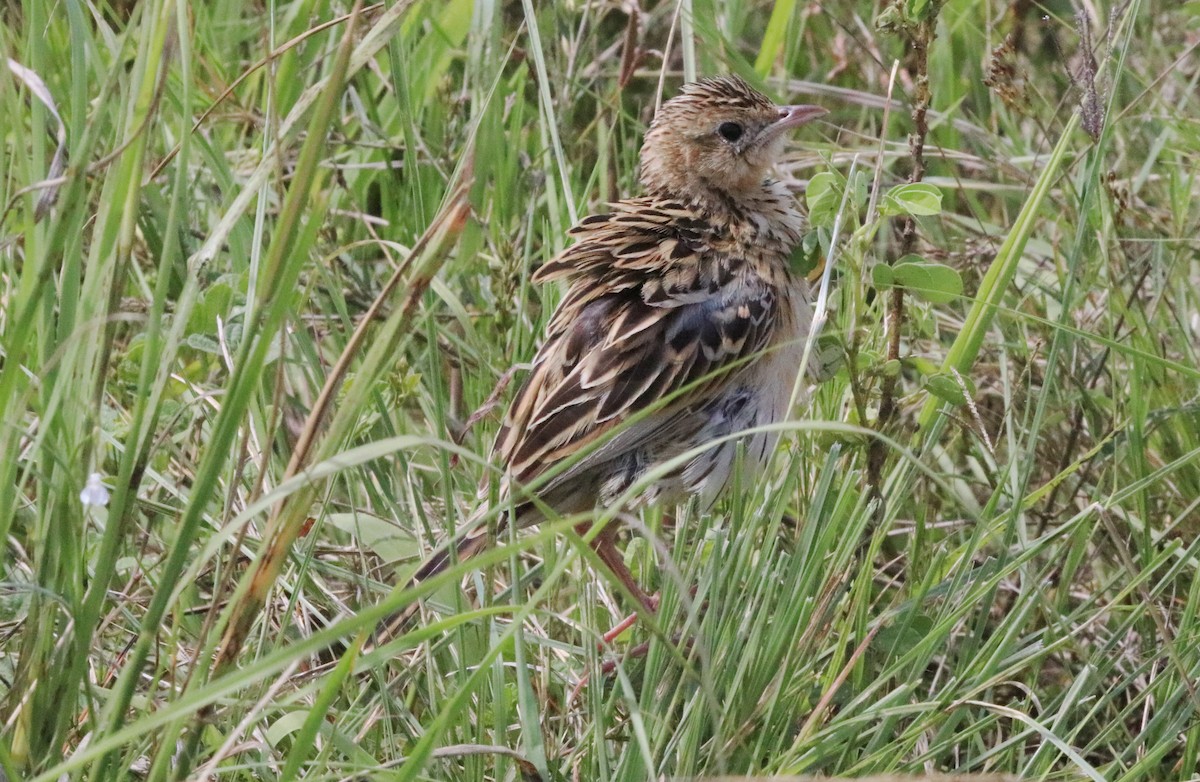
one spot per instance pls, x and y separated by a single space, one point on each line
920 35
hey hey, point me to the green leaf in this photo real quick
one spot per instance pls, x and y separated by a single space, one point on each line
900 639
860 190
806 256
823 195
917 9
882 276
829 357
950 388
866 359
285 725
381 537
203 343
215 302
920 364
890 20
917 199
933 282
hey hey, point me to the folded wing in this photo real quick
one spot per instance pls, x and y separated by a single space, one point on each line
654 318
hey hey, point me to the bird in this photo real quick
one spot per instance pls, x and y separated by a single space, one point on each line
682 324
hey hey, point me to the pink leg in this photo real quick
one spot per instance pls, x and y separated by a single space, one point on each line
606 548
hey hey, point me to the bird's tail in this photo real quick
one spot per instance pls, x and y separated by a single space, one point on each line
465 546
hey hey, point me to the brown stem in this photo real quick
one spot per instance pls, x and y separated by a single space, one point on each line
919 38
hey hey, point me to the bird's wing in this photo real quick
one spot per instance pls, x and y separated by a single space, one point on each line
642 321
661 248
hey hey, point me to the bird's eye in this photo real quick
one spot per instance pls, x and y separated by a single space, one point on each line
730 131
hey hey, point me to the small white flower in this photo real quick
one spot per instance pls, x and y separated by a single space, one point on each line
94 493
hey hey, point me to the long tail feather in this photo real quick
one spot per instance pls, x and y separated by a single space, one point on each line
467 546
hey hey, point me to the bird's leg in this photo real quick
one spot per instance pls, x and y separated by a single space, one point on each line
605 547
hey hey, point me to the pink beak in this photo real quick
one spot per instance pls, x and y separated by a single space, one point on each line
793 116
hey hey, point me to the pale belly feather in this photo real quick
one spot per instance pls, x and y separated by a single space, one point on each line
758 396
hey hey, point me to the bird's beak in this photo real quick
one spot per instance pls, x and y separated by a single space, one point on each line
793 116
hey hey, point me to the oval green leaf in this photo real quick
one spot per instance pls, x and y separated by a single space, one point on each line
917 199
930 281
948 388
823 194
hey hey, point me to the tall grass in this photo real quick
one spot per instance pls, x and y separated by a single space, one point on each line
259 267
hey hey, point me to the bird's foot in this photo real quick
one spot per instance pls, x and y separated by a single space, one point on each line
649 604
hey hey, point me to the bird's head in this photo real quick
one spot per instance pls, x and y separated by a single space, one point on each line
718 137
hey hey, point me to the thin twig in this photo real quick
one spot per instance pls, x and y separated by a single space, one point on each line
919 37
